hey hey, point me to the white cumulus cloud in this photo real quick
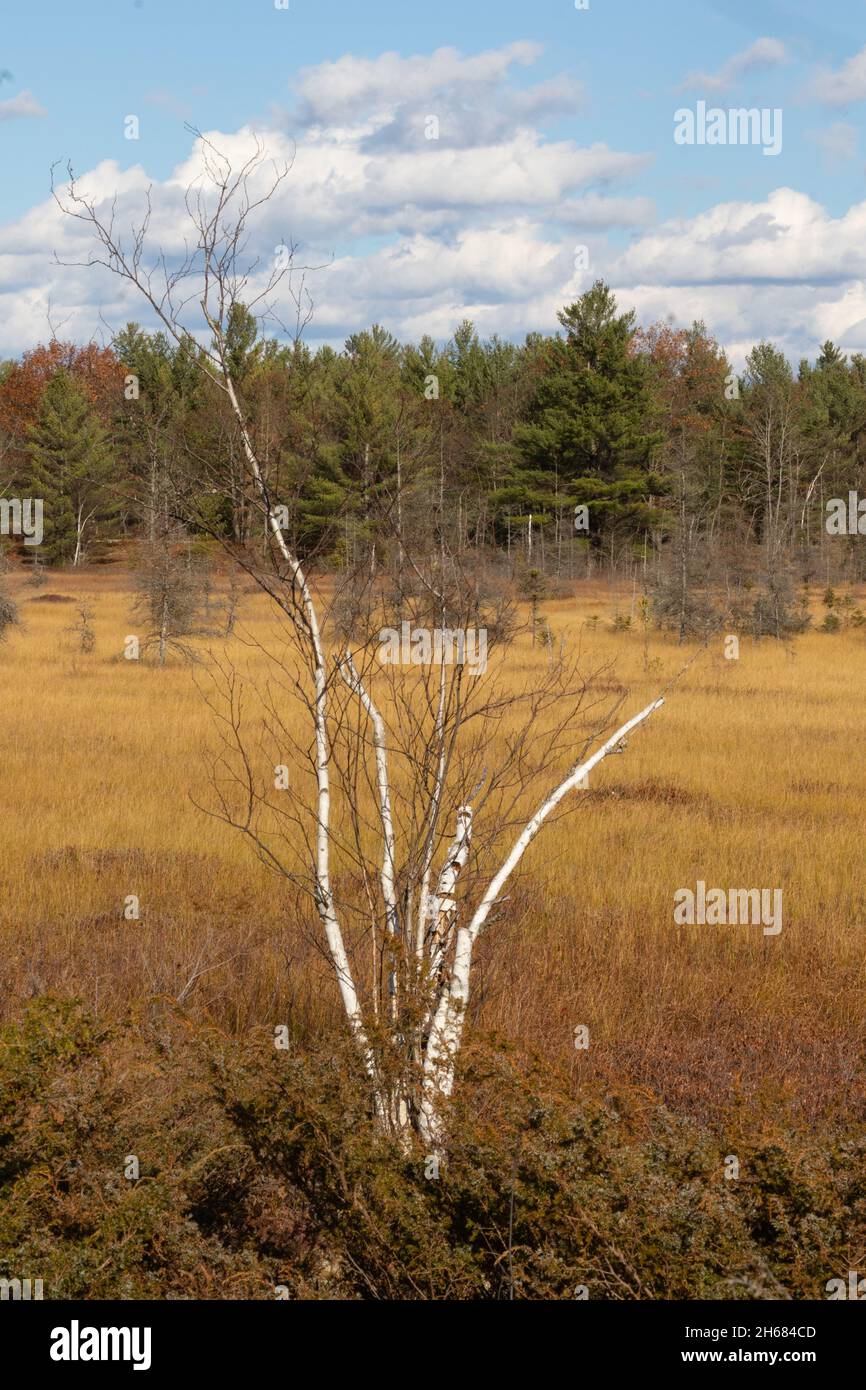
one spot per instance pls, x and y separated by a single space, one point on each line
763 53
843 86
24 105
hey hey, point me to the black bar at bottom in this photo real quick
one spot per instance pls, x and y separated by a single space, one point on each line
226 1338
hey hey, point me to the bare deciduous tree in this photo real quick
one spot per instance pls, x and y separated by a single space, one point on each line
8 613
428 783
82 627
170 593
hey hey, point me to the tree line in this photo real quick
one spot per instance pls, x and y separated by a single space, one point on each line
606 446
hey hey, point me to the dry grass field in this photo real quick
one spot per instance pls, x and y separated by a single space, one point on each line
753 774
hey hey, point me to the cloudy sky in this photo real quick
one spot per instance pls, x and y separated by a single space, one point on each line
554 130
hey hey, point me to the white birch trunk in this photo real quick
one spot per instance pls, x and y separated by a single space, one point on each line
445 1035
443 905
388 874
435 803
324 894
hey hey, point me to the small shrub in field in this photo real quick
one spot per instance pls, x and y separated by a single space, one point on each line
534 587
171 594
842 613
774 612
78 1103
36 573
82 628
8 614
693 614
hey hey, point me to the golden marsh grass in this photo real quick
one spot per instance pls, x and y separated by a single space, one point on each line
753 774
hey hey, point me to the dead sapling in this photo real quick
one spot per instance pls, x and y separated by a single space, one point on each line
8 613
82 627
170 596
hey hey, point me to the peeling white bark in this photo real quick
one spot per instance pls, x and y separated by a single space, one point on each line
443 904
445 1034
388 874
435 805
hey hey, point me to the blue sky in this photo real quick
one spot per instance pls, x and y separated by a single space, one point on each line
562 135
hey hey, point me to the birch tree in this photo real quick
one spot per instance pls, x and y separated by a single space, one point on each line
428 780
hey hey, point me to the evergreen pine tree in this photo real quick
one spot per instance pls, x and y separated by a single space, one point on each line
588 426
71 465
